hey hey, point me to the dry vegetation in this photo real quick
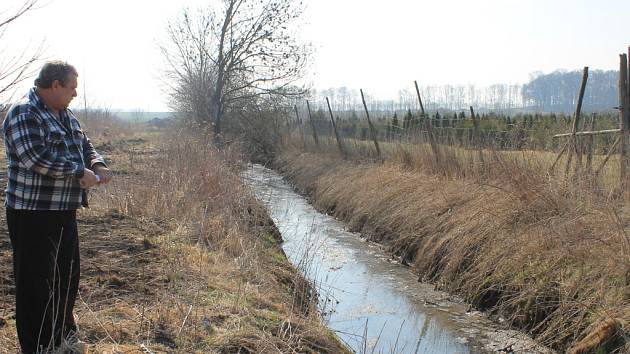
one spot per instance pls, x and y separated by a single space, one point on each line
177 257
551 255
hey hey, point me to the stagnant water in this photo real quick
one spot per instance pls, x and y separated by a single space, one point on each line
372 303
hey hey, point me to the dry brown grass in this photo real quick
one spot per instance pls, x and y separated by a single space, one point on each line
463 161
178 257
550 255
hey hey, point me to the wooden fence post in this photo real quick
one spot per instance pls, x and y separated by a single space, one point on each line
623 121
590 146
332 119
310 118
476 140
429 127
612 150
573 146
419 99
555 162
372 129
297 115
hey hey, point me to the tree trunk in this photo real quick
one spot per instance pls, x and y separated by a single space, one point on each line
217 109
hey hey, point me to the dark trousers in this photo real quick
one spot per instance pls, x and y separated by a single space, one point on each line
46 270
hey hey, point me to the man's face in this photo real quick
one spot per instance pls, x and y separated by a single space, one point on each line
65 94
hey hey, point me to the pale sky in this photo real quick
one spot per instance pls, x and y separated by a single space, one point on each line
380 46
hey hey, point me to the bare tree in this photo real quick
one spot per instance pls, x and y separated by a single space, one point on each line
223 58
15 68
190 71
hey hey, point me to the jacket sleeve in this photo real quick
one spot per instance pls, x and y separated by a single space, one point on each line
90 156
24 133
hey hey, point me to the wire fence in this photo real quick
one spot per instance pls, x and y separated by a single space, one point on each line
595 139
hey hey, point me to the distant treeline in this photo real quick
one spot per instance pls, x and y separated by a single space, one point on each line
555 92
506 132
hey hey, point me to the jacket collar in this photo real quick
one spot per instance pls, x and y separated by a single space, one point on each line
35 100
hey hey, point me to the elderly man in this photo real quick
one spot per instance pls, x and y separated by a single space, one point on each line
51 164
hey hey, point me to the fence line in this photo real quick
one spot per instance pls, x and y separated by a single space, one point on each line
488 132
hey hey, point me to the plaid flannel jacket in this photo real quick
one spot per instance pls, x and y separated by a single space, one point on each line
46 157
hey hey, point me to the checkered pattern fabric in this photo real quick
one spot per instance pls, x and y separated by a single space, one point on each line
46 157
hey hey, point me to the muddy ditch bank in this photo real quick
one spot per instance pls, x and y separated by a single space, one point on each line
522 251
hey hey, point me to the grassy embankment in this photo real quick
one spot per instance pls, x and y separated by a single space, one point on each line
178 257
550 255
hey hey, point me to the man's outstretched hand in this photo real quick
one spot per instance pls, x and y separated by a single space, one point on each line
104 174
100 175
89 179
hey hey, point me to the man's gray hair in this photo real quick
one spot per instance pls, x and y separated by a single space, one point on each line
55 70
